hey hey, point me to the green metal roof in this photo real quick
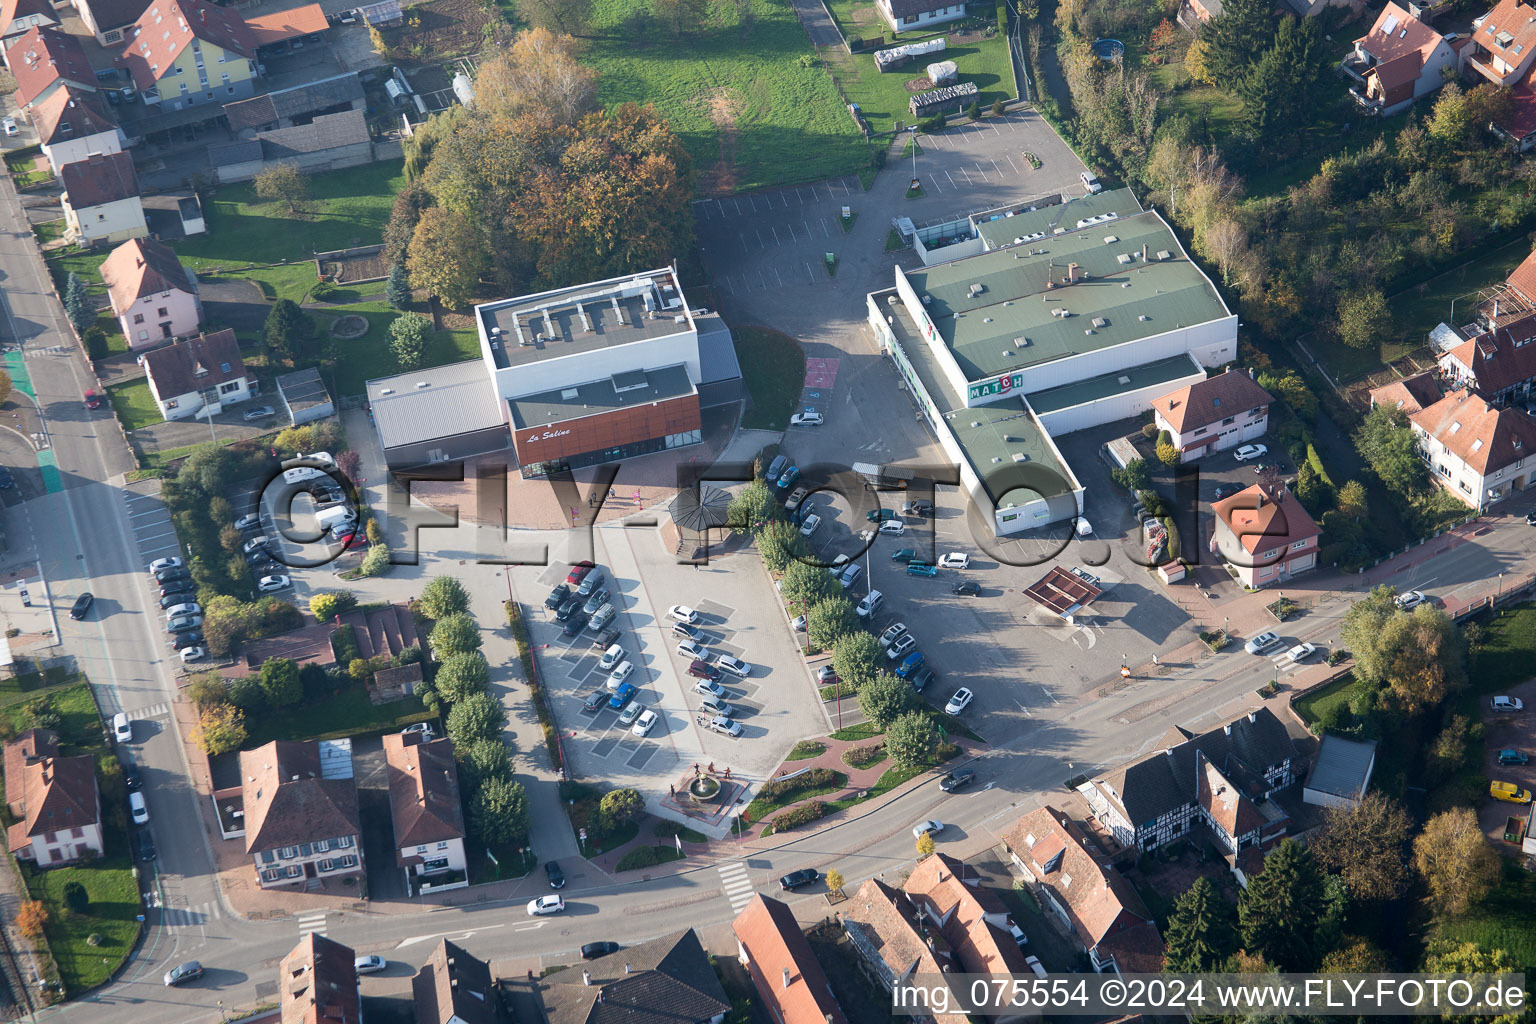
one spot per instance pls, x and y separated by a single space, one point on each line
1003 230
1008 324
1164 371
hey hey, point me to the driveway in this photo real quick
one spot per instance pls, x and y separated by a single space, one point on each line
818 23
233 302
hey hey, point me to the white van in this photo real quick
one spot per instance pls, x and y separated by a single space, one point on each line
717 706
1091 183
139 808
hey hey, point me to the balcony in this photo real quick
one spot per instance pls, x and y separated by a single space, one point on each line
1356 64
1370 104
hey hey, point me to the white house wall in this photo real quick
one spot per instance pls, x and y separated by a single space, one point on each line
1114 407
928 331
596 364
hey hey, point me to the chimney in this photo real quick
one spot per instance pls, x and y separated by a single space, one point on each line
786 977
1143 252
1251 374
586 977
1072 273
1227 729
204 12
627 968
1253 718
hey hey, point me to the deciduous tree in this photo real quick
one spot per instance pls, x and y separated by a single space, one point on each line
1451 121
834 880
409 335
541 73
1364 318
1454 858
455 634
482 759
221 729
1352 500
856 658
283 181
1355 955
829 619
1280 910
1225 242
622 806
925 845
1386 444
31 918
376 562
462 675
280 682
328 604
401 225
1367 845
477 717
885 698
913 741
569 16
442 596
208 690
447 256
498 812
753 507
779 543
806 584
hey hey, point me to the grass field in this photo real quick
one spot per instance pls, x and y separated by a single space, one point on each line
365 358
134 405
883 97
750 104
346 714
1502 921
114 907
773 365
1204 105
80 729
1316 704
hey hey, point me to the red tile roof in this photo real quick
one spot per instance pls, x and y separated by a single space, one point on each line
1211 401
1409 394
267 29
58 793
1498 359
1518 21
43 56
22 751
1224 802
72 113
1397 33
453 987
1260 520
774 944
876 913
423 790
318 983
939 885
1484 437
168 27
99 179
1523 278
286 800
140 267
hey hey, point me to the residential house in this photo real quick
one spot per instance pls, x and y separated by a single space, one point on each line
1214 414
1409 394
424 805
913 15
280 31
665 981
1522 281
788 977
153 296
55 799
299 104
1206 779
1398 61
1194 13
887 931
108 20
1503 42
330 142
1084 894
44 60
1499 363
101 199
1265 536
73 124
29 14
453 987
197 376
317 983
185 52
301 826
1478 452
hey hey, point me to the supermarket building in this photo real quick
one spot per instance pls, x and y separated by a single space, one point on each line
1055 318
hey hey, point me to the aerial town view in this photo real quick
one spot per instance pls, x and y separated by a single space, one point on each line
764 511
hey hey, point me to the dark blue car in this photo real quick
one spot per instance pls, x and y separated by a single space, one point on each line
911 663
623 695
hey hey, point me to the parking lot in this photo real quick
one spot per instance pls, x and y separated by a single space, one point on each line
738 617
149 521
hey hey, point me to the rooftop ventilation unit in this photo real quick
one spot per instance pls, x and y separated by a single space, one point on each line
1111 239
423 384
1143 318
975 423
1090 331
975 290
1020 457
569 393
1099 321
386 391
1124 258
1122 379
1021 342
1164 254
1125 284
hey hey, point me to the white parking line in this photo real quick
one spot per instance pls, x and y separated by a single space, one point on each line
784 196
951 178
744 247
779 276
760 243
999 169
775 235
1012 164
824 232
968 180
809 274
937 185
156 536
791 228
135 515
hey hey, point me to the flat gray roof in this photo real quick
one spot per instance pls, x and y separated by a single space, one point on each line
990 435
1009 318
1343 766
640 387
1163 371
584 318
457 399
999 229
303 389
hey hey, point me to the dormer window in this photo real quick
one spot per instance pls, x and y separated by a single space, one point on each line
1455 426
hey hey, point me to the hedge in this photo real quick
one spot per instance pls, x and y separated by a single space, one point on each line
535 689
812 778
802 815
863 757
647 856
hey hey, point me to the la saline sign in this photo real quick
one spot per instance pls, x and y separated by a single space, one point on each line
547 435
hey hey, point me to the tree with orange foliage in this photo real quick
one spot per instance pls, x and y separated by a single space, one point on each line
31 918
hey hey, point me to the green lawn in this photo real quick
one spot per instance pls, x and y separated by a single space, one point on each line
1502 921
111 915
762 807
1507 654
365 358
750 104
134 405
28 168
80 729
1319 702
346 714
883 97
773 365
1218 109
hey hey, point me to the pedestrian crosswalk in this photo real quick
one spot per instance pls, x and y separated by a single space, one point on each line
737 883
188 917
312 923
1284 664
153 711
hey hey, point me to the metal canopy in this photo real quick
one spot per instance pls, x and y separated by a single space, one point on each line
698 508
1063 593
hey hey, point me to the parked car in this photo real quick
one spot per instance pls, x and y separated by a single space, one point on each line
682 613
568 607
175 572
93 399
557 596
623 695
851 575
174 589
186 641
795 879
82 605
546 905
1506 704
619 676
1301 652
924 677
630 714
809 418
1261 643
922 569
122 728
776 467
811 525
183 973
606 614
578 572
919 507
880 515
183 623
892 632
250 547
644 723
611 657
370 964
191 654
969 588
796 497
424 728
959 702
596 600
1251 451
927 828
709 687
272 584
910 664
9 125
1530 519
589 583
554 874
261 412
904 554
826 675
1509 792
164 563
693 650
594 700
703 670
955 560
171 600
6 479
893 527
957 779
146 844
1034 964
735 666
871 604
593 950
788 477
138 808
684 630
1412 599
900 646
606 639
1513 757
575 624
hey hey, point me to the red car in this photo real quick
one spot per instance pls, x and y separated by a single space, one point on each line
579 572
93 399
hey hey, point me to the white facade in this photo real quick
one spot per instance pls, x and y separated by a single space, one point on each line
202 403
64 846
72 150
322 858
1219 436
434 858
1477 489
110 222
937 16
1120 406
